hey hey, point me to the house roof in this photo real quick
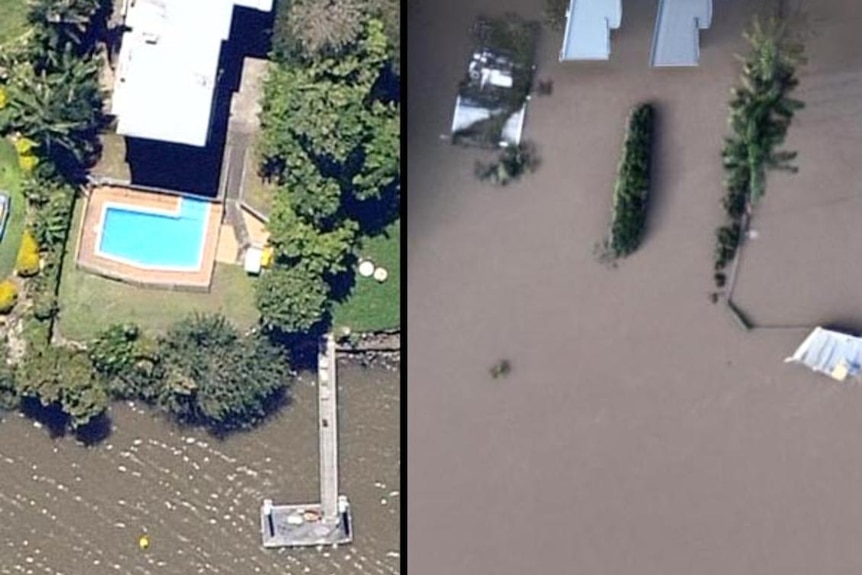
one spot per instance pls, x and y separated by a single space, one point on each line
588 29
468 113
167 68
835 354
676 40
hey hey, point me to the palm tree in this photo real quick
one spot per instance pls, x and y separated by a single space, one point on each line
61 110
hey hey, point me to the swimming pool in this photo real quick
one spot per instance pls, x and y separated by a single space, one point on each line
155 239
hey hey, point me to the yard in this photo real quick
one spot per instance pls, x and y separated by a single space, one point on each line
14 20
10 181
372 305
90 303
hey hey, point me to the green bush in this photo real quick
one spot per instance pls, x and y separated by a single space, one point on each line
8 297
632 185
27 264
728 237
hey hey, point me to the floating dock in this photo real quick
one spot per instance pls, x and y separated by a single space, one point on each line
328 522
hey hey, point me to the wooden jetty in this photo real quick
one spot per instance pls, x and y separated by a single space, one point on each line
328 522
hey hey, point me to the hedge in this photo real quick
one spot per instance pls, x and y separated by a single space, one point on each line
27 264
8 296
632 186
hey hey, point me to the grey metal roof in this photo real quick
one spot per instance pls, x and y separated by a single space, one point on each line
588 29
676 41
835 354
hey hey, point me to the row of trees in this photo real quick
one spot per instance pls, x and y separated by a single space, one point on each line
202 371
761 111
54 105
331 142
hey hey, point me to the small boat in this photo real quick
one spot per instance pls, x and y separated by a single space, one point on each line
5 205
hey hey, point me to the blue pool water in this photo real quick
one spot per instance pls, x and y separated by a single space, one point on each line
156 240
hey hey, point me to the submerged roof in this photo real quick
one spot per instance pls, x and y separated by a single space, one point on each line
588 29
676 40
167 68
490 81
468 113
835 354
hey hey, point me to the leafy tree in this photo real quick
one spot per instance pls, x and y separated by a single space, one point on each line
127 362
9 398
306 30
63 377
292 299
512 163
60 110
761 110
321 129
216 377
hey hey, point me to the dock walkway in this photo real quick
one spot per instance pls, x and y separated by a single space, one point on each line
329 521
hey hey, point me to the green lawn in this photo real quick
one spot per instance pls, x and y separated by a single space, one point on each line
13 19
372 305
89 303
10 181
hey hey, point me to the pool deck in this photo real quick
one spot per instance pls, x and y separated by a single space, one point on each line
88 258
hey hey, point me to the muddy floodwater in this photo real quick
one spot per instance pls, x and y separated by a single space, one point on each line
67 509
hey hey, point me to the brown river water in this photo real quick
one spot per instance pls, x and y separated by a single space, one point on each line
72 510
640 431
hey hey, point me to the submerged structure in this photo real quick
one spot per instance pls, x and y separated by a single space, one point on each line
831 353
676 39
328 522
491 105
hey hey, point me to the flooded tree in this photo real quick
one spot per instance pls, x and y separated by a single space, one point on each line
501 369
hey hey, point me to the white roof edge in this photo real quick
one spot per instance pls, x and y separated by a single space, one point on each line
596 18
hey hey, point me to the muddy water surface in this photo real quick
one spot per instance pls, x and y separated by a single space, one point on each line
66 509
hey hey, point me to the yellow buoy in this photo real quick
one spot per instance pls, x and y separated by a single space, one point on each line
144 541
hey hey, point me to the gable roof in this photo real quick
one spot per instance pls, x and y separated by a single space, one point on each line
588 29
676 40
168 64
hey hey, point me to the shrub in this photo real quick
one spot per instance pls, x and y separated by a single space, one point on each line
513 162
28 256
728 238
8 296
632 185
554 14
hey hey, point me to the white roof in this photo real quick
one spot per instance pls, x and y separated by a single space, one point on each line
836 354
588 29
168 65
676 40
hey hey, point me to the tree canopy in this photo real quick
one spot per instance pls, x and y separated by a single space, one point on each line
215 376
331 142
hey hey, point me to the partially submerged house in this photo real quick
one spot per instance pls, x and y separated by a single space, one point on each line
832 353
483 96
588 29
676 38
491 105
167 70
